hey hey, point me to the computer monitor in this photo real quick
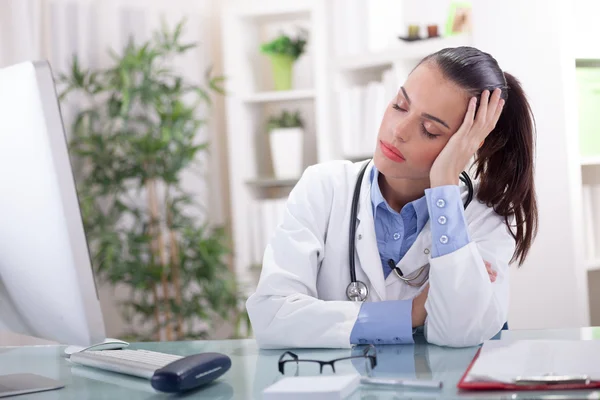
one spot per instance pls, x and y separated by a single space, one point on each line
47 288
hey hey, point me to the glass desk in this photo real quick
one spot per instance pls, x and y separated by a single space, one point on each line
253 370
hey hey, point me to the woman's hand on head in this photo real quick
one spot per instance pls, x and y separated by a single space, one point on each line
455 156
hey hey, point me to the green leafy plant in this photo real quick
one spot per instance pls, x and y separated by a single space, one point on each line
286 46
286 119
135 132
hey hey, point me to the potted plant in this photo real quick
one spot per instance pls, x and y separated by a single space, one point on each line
135 132
286 134
284 51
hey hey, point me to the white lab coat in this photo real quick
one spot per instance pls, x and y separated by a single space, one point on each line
301 298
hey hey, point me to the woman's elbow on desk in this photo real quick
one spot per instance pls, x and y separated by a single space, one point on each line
450 330
471 338
299 321
459 329
262 313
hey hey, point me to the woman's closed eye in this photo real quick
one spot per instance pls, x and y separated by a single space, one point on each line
424 130
395 106
427 133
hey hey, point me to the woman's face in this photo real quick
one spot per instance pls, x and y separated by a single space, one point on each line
418 123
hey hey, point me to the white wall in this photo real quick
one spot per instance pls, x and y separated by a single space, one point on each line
587 28
531 39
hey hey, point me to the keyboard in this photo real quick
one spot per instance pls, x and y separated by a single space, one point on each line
140 363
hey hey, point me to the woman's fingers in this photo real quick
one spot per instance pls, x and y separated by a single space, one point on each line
469 116
487 114
498 111
482 112
493 274
493 106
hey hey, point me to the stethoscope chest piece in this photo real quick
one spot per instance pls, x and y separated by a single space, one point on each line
357 291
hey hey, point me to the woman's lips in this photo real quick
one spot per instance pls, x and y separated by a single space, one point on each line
391 152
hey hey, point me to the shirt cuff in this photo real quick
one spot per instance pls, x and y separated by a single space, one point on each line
448 223
383 322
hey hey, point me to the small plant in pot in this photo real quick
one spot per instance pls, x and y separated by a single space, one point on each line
286 134
284 51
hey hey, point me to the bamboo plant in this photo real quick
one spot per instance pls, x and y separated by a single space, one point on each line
135 132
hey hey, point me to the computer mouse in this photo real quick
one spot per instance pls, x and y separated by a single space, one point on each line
108 344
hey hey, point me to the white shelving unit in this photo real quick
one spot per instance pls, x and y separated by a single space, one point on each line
257 196
404 51
590 181
278 96
590 161
593 265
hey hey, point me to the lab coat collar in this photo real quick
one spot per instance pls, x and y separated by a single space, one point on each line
366 241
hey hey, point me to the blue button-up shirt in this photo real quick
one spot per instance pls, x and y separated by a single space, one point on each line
395 231
391 321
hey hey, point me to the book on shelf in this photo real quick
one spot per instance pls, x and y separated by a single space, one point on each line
360 111
266 216
365 26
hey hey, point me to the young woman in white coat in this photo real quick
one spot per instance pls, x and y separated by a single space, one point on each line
419 257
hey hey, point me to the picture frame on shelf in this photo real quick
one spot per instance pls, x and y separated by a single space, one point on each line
459 18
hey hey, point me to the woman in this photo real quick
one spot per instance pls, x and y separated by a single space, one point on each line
420 253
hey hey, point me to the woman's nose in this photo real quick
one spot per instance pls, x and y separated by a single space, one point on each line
402 131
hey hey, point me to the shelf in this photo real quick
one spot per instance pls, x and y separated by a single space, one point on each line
277 96
592 265
267 183
274 11
590 160
404 51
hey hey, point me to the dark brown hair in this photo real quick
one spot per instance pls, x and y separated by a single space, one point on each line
505 162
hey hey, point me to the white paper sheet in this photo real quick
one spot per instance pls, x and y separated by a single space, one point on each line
503 361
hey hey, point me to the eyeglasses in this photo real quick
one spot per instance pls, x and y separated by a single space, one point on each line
369 354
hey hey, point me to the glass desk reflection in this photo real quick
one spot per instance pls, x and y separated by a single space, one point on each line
253 369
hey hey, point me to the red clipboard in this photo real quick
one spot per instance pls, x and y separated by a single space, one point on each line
481 386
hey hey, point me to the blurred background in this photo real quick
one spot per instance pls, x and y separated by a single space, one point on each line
190 121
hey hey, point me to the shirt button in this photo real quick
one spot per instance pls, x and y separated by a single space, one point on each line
359 236
396 236
426 251
441 203
443 239
442 220
379 340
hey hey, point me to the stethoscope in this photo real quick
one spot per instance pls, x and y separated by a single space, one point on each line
357 290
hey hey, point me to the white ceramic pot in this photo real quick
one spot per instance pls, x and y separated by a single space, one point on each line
286 152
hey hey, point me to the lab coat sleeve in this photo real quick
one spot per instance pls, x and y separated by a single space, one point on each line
284 310
464 308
